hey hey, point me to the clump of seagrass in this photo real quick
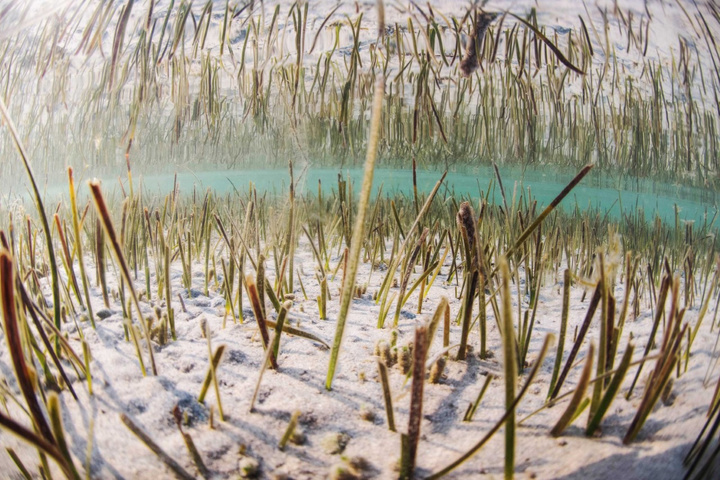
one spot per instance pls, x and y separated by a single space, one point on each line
49 439
668 357
699 460
109 229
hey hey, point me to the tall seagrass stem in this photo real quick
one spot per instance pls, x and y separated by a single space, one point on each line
511 368
358 233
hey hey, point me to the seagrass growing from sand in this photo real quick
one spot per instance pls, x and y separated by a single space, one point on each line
471 282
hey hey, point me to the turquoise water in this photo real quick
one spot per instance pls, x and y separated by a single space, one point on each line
600 192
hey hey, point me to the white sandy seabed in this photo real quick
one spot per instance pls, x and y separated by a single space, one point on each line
355 408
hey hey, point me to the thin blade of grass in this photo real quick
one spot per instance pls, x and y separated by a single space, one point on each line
476 448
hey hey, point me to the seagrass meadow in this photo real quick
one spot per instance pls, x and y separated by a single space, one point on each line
354 240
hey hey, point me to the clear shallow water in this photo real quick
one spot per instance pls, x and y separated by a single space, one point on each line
612 196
